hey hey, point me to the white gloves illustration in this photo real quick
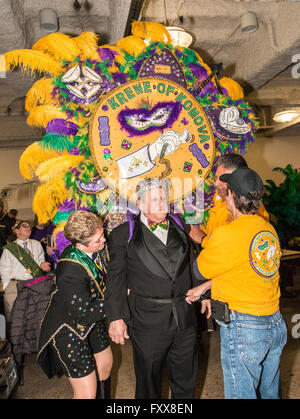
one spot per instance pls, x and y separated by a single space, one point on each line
170 138
143 160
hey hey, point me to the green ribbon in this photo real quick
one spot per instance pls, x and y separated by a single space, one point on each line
25 259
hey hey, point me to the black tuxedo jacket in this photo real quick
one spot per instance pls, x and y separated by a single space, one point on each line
150 270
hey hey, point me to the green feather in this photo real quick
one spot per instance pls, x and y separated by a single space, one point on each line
59 142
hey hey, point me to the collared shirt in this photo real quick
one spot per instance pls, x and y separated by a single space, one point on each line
11 268
159 232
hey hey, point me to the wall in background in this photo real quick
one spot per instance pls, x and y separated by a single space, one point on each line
10 174
267 153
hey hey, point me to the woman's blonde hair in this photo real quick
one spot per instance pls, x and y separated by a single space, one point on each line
81 225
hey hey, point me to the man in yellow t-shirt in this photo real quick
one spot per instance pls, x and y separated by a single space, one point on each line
218 213
242 259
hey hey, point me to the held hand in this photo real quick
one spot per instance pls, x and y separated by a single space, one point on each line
118 331
196 234
206 305
195 293
45 266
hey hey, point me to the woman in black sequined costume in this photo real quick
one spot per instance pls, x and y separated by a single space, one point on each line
74 338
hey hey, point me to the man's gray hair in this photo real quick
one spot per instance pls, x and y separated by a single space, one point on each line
152 183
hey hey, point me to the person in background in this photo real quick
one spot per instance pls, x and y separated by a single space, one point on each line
6 227
242 259
23 261
42 232
74 338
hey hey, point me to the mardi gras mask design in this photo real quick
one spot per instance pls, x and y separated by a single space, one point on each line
144 121
230 120
83 82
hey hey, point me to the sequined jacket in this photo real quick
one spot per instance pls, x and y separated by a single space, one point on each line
77 302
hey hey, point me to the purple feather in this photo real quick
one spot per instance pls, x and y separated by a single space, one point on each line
61 242
107 54
71 206
61 127
174 109
74 151
119 77
198 71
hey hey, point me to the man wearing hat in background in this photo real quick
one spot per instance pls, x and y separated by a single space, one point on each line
219 215
242 259
22 260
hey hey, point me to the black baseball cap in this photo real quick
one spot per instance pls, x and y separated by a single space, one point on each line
243 181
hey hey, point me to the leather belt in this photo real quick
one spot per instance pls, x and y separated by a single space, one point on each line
171 301
162 300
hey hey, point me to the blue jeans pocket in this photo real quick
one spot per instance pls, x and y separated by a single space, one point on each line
253 341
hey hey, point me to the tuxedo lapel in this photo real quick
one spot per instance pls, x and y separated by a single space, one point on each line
184 248
149 250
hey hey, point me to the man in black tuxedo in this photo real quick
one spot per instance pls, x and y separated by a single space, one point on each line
148 277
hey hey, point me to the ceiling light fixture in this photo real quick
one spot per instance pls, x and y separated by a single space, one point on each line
180 37
286 116
48 20
249 22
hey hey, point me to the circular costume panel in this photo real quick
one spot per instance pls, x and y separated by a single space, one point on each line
265 254
151 127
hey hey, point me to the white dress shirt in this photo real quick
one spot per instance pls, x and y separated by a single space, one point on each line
11 268
159 232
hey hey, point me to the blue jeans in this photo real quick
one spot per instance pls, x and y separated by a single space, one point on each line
251 347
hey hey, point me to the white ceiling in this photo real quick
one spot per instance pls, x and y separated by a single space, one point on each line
262 62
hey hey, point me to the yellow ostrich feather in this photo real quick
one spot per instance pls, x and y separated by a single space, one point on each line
58 45
57 166
39 94
120 58
132 44
48 197
32 60
41 115
33 156
234 89
87 42
151 31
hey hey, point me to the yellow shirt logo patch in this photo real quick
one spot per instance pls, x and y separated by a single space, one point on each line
264 254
